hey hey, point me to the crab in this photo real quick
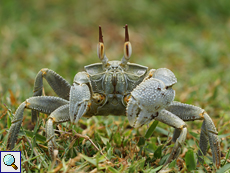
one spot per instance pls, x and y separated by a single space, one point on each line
116 88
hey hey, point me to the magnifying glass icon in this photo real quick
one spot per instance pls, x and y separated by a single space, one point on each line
9 160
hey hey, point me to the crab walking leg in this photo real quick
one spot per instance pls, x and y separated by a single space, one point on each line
44 104
60 86
79 97
174 121
203 144
208 130
58 116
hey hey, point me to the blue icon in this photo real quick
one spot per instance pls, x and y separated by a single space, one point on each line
9 160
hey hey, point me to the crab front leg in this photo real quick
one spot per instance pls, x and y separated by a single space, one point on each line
60 86
44 104
208 130
174 121
138 116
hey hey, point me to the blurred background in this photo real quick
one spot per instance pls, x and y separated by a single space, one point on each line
191 38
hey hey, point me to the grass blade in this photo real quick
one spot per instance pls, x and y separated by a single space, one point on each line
151 129
190 160
224 168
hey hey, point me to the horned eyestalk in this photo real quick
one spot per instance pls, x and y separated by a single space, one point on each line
127 48
101 49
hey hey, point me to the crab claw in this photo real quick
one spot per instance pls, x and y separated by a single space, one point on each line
137 115
166 76
148 98
79 97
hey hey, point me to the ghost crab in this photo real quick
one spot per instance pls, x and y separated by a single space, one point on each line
116 88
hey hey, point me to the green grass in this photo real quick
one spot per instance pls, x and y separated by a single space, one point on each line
192 38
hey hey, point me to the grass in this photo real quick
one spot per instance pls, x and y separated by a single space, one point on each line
189 37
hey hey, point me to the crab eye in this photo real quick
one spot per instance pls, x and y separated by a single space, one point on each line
100 51
127 50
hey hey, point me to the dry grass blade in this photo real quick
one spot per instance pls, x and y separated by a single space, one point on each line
87 138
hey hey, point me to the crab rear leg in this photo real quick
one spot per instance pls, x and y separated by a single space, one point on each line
208 130
44 104
60 86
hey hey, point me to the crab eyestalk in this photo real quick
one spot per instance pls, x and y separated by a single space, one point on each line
101 49
127 48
